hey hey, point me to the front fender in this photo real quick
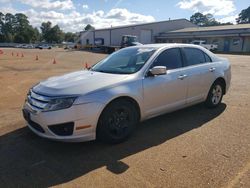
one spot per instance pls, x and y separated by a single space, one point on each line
133 90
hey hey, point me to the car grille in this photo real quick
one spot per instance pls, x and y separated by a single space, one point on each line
37 101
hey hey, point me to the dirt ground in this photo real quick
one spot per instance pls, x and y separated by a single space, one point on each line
193 147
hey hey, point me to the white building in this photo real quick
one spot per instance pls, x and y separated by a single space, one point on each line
146 33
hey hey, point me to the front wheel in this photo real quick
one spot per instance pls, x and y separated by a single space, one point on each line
117 121
215 95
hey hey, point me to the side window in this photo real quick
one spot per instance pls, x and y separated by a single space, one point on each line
170 58
207 58
194 56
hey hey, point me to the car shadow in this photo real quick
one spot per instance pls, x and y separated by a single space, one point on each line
27 160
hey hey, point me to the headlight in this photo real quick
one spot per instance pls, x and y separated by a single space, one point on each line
59 103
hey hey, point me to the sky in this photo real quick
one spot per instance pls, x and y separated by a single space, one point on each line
73 15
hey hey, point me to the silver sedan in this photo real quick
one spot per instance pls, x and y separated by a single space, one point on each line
130 85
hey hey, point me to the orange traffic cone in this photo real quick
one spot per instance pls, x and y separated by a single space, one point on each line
17 54
22 55
86 66
12 54
54 62
36 57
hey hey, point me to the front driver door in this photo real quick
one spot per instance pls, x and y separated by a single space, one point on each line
168 92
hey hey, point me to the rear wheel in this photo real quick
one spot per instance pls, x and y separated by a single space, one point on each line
117 121
215 95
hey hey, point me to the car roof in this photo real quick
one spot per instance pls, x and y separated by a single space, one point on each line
170 45
159 46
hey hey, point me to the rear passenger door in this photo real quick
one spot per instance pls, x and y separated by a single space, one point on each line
198 67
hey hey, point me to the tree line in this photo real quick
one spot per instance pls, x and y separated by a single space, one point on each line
208 19
16 28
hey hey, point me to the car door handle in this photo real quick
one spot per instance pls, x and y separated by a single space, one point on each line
183 76
212 69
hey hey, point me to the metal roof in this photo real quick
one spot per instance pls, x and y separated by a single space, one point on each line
212 28
142 24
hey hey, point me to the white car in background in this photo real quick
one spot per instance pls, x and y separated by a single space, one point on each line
44 46
19 46
130 85
28 46
211 47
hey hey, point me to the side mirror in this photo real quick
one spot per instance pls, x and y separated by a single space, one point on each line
157 70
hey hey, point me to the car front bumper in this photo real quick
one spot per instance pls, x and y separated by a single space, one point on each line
74 124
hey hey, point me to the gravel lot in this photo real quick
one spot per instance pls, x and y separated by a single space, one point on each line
194 147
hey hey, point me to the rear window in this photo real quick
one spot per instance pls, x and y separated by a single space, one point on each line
207 58
194 56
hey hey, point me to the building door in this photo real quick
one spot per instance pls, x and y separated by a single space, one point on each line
226 45
146 36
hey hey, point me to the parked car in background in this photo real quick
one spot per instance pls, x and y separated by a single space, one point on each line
211 47
28 46
44 46
69 45
19 46
131 85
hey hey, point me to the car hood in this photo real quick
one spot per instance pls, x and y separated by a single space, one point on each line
77 83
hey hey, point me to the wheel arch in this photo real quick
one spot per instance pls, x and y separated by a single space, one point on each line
127 98
223 82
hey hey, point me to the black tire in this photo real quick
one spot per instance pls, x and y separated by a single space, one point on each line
117 121
215 95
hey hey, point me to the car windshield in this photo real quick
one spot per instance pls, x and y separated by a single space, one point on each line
132 39
125 61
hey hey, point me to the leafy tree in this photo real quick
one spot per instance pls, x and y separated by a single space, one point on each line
1 27
89 27
244 16
51 34
45 28
36 37
1 21
16 28
198 19
69 37
56 34
21 21
205 20
23 31
7 29
19 39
